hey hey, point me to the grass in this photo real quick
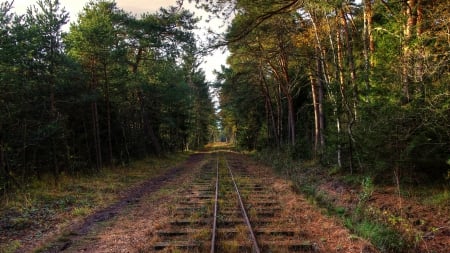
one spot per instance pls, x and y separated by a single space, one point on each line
383 237
81 211
11 247
439 198
41 202
437 195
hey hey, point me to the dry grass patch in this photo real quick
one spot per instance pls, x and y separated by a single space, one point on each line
43 209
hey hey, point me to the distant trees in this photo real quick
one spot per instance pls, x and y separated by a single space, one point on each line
114 88
377 74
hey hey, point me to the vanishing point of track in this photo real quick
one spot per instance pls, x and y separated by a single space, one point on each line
227 209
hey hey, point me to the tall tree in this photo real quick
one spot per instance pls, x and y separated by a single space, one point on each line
46 20
92 41
91 97
156 38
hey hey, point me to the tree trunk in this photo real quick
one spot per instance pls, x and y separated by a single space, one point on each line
125 140
315 102
94 113
53 115
284 86
420 62
288 93
108 114
55 163
342 87
411 16
269 106
148 129
324 79
96 134
369 45
279 113
147 124
291 118
317 97
350 62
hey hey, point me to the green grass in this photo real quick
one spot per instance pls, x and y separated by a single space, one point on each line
11 247
439 198
81 211
383 237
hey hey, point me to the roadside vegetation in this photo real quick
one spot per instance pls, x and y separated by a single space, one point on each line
41 207
403 219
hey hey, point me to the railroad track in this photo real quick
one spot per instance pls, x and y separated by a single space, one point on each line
226 209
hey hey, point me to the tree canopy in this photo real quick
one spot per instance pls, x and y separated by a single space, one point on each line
361 85
115 87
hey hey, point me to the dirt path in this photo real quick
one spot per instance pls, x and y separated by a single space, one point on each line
119 225
130 224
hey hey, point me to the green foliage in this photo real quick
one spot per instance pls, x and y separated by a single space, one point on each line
112 89
11 247
384 100
367 189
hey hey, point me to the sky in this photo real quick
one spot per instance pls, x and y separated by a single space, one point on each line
210 63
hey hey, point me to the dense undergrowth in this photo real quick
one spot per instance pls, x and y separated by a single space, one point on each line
42 206
387 231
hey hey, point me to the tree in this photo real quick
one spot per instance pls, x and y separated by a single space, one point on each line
6 85
272 43
46 20
157 40
32 67
73 102
350 55
92 42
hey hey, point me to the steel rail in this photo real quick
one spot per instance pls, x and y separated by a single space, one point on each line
244 212
213 237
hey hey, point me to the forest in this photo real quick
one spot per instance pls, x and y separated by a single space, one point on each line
362 86
114 88
347 101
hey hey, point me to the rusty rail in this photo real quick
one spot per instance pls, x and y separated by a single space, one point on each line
244 212
213 239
